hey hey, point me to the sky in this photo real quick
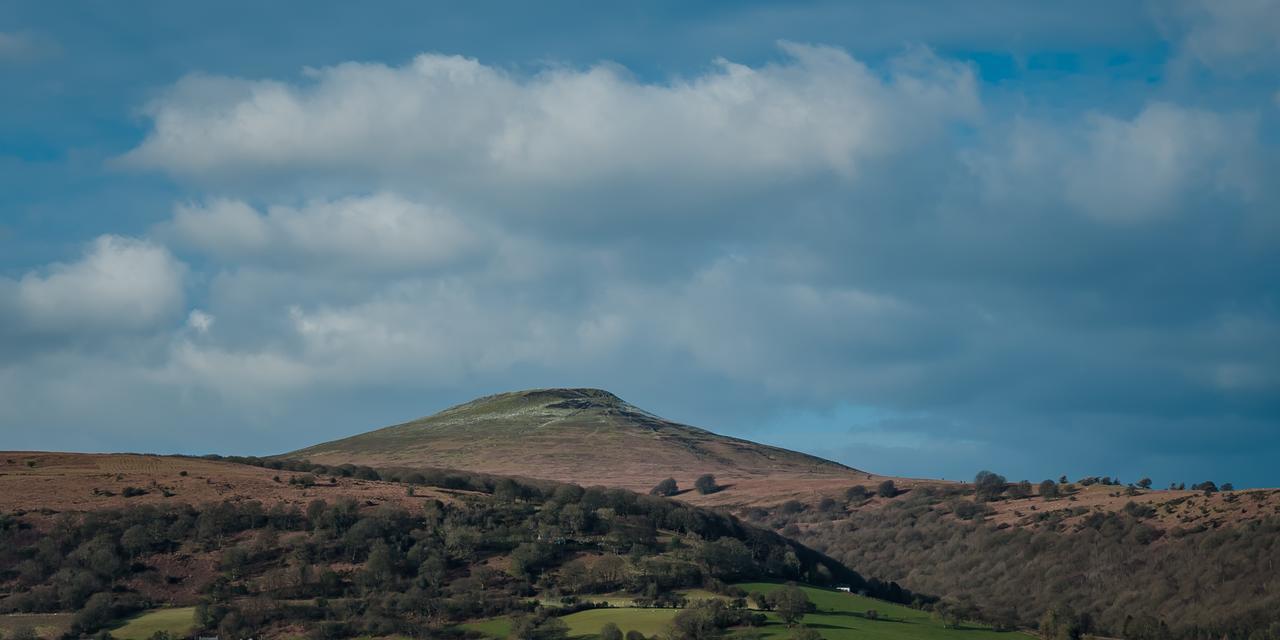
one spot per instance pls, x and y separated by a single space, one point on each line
918 238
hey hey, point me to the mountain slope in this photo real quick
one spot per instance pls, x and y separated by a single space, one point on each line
584 436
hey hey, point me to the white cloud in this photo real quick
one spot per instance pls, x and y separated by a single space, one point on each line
1121 169
382 231
447 120
1233 36
120 284
200 321
1138 168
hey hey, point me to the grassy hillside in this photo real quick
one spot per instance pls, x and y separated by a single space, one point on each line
584 436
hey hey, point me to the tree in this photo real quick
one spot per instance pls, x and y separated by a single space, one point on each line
791 603
1062 623
667 487
97 612
705 484
856 492
1145 483
887 489
727 559
537 628
1020 490
701 621
507 490
989 485
1049 490
610 631
1227 486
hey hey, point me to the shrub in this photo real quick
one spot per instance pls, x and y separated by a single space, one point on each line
887 489
667 487
989 485
610 631
706 484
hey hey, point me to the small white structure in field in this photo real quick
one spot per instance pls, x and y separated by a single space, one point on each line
844 589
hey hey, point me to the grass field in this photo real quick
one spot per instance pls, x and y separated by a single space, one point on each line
840 616
177 621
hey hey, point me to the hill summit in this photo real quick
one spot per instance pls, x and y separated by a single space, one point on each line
585 436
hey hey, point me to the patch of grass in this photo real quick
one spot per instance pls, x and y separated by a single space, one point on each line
493 627
842 616
646 621
178 621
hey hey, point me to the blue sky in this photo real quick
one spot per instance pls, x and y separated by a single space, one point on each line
918 238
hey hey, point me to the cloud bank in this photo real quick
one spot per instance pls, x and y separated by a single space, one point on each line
816 231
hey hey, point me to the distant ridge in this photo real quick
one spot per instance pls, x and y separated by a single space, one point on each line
581 435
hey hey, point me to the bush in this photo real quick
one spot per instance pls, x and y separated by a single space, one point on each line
706 484
610 631
667 487
989 485
887 489
1049 490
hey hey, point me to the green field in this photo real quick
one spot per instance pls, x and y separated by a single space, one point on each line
840 616
646 621
177 621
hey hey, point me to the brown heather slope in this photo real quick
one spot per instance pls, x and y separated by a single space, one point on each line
76 482
589 437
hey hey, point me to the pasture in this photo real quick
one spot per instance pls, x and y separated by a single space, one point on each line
178 621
